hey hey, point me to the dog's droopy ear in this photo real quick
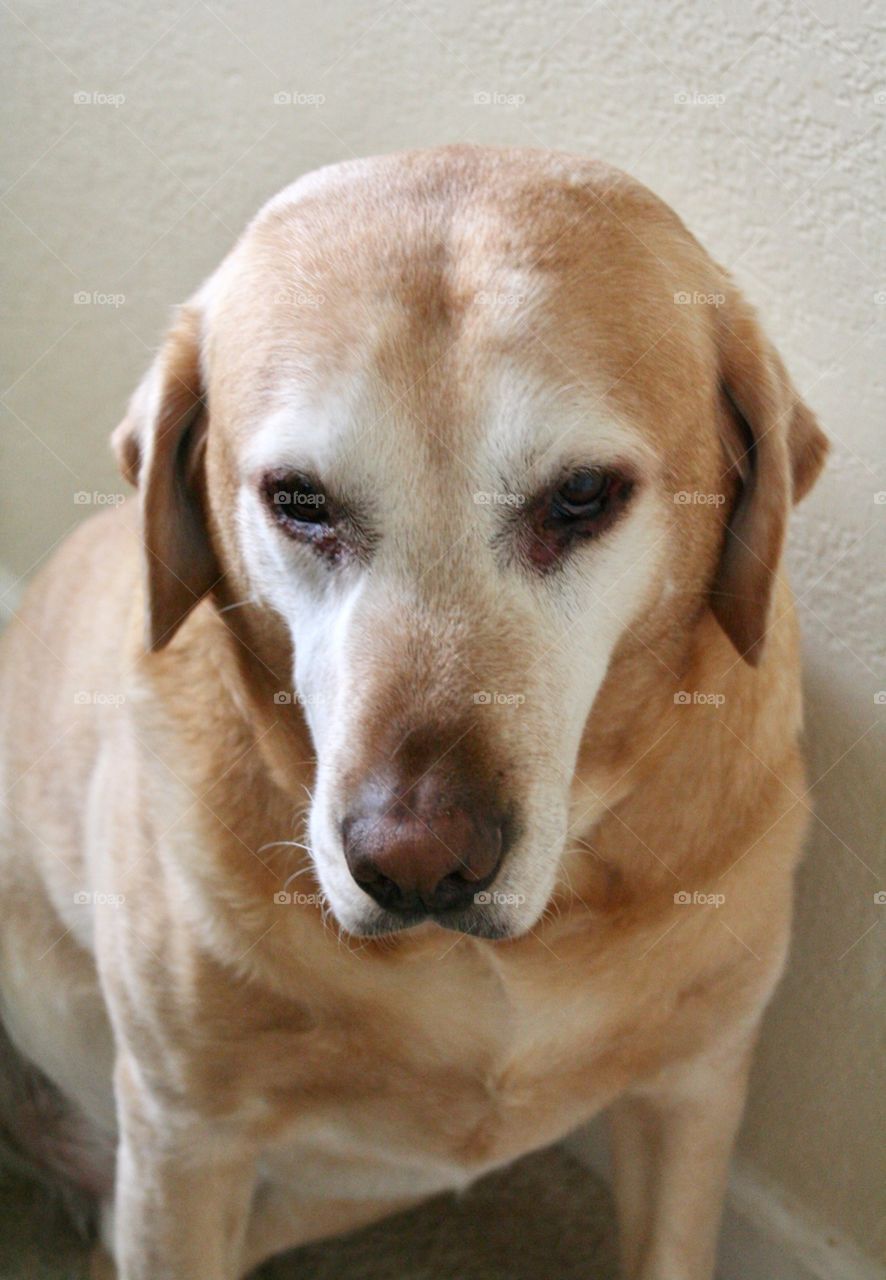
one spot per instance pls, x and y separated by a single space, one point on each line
775 449
160 446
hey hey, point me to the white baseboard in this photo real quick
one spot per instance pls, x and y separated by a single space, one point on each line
764 1235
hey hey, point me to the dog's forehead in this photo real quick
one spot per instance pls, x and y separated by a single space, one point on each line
507 431
435 306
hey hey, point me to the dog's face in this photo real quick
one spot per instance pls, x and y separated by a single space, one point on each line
477 423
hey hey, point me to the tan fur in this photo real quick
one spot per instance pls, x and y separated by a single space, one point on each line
271 1073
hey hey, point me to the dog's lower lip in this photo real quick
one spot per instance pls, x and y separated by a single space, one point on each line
472 924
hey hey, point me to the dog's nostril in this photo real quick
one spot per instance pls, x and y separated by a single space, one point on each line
386 893
453 890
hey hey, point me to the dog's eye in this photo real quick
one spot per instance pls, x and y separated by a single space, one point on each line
582 507
294 498
582 496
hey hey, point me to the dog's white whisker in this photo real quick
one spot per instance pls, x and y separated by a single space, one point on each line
304 871
239 605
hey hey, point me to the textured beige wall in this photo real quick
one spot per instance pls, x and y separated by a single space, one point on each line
761 123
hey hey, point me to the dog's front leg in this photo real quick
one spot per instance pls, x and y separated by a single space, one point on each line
183 1192
671 1145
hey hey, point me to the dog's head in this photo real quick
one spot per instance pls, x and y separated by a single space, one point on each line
465 426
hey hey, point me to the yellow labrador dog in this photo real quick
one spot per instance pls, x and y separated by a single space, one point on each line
415 773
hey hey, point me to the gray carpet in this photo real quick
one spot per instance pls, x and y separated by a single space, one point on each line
545 1218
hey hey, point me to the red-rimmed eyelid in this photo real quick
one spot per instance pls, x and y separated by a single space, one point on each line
553 529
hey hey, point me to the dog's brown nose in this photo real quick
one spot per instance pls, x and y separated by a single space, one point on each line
422 847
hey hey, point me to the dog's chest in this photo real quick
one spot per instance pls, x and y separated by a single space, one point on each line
443 1075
